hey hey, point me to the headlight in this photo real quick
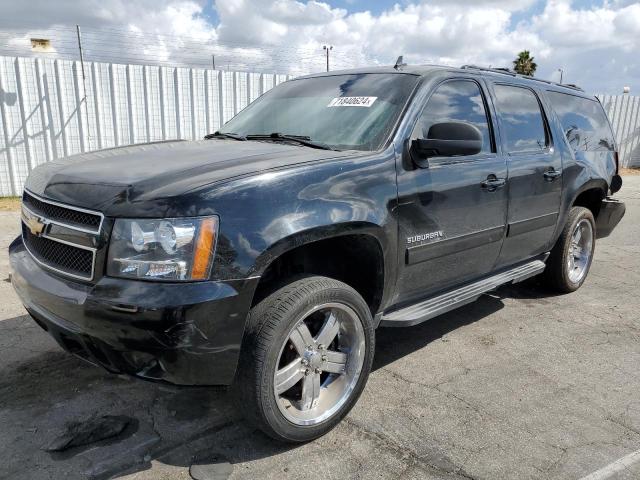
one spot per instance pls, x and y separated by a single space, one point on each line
167 249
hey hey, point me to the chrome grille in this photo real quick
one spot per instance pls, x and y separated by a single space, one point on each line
47 228
62 257
74 217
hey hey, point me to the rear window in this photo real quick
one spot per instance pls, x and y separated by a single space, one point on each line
584 122
521 119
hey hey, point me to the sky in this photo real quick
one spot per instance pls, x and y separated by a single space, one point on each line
596 43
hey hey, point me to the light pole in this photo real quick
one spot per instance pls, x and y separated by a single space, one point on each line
84 86
561 73
327 49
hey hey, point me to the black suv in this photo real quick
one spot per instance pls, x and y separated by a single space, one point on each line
267 254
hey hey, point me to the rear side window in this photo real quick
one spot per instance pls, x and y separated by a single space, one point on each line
456 101
584 122
521 118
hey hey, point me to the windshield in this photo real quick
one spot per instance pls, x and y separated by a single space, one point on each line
355 111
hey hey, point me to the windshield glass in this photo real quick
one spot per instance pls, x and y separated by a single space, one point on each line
355 111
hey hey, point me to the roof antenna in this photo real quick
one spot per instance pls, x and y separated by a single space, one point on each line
399 63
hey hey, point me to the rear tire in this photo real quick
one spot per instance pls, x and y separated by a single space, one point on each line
305 358
571 257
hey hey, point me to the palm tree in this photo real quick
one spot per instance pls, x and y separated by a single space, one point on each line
524 64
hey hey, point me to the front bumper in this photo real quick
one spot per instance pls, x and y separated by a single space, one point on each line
181 333
610 214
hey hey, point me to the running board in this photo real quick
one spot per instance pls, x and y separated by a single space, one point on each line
452 299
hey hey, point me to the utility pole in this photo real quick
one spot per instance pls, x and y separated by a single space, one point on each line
213 61
327 49
561 73
84 84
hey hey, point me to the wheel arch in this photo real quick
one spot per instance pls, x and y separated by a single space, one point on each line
580 188
590 195
359 258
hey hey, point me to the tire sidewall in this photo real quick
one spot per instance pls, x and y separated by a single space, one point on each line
271 414
577 214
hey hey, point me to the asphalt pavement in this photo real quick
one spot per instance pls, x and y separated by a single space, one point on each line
522 384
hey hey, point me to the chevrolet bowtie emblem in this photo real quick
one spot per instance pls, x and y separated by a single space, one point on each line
34 224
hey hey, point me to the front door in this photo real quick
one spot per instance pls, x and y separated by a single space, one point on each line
451 212
535 173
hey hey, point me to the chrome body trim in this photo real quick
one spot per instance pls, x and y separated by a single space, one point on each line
68 207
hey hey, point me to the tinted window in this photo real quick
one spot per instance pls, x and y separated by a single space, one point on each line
583 121
523 127
344 111
456 101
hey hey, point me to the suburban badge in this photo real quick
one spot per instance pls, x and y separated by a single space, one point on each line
425 236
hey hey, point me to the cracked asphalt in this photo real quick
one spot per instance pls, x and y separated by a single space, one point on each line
521 384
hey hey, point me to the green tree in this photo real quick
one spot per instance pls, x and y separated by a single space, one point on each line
524 64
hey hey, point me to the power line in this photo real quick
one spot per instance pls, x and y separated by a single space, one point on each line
137 34
124 46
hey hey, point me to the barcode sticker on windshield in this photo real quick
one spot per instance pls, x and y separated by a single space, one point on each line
352 102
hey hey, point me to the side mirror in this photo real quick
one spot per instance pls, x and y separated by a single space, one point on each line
448 139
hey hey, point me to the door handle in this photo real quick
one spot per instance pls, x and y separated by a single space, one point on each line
493 183
551 174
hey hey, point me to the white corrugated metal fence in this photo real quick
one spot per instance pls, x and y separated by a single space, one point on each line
624 113
43 115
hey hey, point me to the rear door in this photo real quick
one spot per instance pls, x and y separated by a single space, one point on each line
451 213
535 173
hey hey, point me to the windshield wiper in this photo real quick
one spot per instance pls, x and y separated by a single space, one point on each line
300 139
235 136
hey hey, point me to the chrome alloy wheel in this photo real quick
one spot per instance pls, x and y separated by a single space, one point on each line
580 250
319 364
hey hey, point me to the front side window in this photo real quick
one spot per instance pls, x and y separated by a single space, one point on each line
521 119
584 122
456 101
357 111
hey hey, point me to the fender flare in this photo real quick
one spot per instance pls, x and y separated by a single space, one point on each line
592 184
386 251
316 234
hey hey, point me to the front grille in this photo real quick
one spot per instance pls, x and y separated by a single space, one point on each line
57 235
60 214
64 258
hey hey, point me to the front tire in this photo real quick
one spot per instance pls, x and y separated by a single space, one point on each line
305 358
571 257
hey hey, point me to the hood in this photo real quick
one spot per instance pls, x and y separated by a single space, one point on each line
160 170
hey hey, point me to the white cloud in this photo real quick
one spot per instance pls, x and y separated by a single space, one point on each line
575 28
597 46
295 13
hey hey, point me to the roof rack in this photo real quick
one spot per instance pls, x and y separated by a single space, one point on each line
506 71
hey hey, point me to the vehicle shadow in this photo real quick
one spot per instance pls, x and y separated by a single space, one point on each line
393 343
43 390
